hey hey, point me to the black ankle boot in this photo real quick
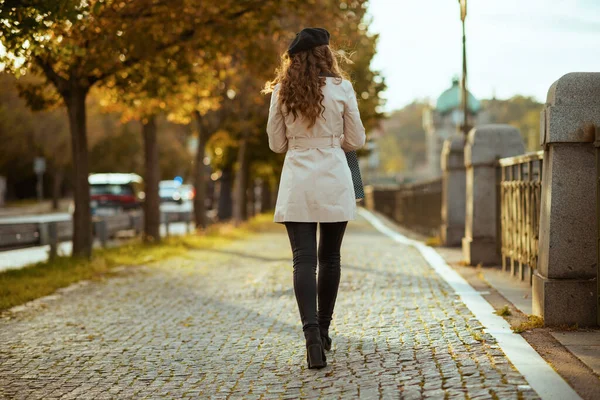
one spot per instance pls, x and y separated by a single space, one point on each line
315 355
325 339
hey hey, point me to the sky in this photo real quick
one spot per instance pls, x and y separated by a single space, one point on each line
513 46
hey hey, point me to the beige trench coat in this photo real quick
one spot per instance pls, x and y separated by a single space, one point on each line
316 183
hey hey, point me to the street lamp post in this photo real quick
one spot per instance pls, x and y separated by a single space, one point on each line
465 94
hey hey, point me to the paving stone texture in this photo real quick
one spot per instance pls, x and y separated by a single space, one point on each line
224 324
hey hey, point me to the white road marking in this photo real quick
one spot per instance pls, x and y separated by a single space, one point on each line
539 374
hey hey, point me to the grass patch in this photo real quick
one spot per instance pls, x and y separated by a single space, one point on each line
504 312
533 321
22 285
433 241
22 203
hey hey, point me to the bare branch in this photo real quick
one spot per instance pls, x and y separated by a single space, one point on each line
51 74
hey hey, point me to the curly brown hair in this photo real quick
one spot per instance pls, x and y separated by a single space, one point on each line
301 77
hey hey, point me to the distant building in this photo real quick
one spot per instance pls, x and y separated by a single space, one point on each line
444 120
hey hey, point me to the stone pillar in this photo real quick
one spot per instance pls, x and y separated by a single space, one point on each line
485 145
453 191
564 284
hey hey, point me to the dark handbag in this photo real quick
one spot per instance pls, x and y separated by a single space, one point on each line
355 171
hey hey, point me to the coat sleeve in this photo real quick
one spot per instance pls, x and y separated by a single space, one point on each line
276 125
354 131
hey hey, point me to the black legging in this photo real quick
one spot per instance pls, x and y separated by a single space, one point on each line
303 238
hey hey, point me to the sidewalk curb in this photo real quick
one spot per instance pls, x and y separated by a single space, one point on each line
540 375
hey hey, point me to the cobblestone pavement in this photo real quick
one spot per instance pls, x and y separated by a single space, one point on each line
224 324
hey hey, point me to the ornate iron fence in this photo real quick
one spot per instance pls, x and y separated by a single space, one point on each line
416 206
520 181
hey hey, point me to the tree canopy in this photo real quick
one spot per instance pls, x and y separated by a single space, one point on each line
192 62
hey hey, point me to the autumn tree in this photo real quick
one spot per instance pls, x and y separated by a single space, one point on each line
76 45
202 99
223 154
142 94
349 28
520 111
242 114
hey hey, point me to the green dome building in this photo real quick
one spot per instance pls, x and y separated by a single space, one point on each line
444 121
451 100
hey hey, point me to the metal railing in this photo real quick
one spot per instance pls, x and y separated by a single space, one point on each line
416 206
23 235
520 184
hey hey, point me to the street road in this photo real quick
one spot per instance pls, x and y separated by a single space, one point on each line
15 259
25 219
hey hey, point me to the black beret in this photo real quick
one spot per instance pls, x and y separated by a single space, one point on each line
307 39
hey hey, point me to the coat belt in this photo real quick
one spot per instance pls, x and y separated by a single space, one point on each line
315 142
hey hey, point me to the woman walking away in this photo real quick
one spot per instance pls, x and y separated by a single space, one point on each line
314 118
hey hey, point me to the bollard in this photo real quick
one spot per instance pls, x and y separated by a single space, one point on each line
188 223
135 222
49 237
369 203
53 239
167 223
101 231
44 235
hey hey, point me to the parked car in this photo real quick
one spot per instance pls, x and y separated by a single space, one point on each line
115 193
175 196
188 192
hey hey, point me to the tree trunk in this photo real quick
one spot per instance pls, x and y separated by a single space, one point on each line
74 98
57 180
240 197
200 174
151 179
224 211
